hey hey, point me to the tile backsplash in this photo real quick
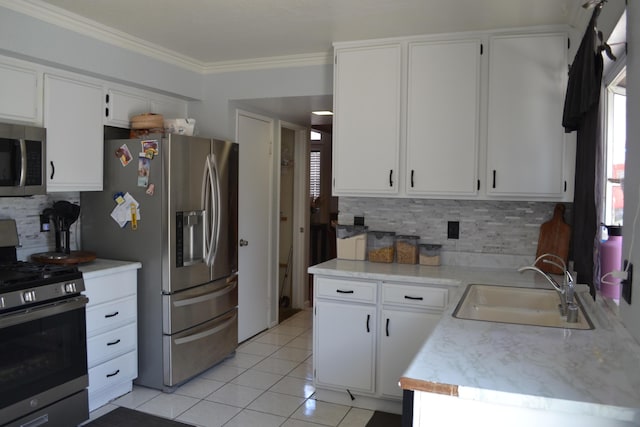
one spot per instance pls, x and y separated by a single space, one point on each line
486 227
26 212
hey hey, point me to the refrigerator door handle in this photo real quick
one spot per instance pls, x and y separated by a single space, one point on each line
211 199
207 297
206 200
201 335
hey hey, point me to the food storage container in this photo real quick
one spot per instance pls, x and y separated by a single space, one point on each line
351 242
407 249
429 254
380 246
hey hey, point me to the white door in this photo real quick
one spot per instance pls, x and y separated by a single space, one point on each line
254 136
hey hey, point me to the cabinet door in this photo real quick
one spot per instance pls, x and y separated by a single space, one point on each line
344 346
18 93
169 108
526 140
366 126
402 334
442 118
121 106
73 118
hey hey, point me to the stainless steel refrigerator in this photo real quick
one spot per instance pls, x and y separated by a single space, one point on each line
184 232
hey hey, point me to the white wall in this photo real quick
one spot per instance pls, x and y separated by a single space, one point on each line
224 92
631 313
28 38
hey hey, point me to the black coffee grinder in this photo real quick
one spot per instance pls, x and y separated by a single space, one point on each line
62 215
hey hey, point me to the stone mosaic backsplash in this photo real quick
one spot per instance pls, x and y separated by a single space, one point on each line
26 212
486 227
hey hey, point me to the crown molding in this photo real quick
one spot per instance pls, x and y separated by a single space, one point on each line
301 60
61 18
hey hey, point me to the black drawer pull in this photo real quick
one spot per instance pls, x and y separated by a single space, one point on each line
413 298
412 171
368 317
114 374
106 316
387 326
340 291
391 178
114 342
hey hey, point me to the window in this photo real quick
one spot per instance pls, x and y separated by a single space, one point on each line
616 108
314 175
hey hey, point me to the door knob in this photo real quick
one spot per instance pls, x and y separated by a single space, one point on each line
243 242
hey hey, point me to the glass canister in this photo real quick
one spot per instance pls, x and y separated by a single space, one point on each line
407 249
380 246
429 254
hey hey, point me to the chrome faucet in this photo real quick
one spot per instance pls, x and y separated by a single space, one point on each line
566 291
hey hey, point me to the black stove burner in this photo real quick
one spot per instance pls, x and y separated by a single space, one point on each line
21 274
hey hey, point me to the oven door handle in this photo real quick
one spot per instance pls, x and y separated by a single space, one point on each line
40 312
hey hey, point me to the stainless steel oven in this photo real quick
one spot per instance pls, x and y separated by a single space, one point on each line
43 345
43 365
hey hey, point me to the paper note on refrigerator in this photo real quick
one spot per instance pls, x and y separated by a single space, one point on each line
122 213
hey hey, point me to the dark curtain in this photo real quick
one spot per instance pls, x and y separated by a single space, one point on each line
581 114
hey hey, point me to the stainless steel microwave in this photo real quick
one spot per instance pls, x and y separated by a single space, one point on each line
22 160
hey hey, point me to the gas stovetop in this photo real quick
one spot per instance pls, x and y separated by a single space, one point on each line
27 283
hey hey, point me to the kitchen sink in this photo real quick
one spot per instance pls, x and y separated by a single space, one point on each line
510 304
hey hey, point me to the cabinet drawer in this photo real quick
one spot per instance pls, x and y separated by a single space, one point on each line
415 296
111 315
109 287
113 372
345 290
108 345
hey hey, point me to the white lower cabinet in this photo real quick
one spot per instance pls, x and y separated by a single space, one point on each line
367 332
112 336
345 354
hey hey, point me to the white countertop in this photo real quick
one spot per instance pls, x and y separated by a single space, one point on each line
101 267
587 372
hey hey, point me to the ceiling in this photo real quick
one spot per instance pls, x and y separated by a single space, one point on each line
209 32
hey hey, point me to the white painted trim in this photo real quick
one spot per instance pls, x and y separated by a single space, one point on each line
89 28
302 60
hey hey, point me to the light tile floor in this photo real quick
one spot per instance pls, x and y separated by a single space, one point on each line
268 382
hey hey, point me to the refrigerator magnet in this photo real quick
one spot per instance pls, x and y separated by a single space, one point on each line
124 154
150 189
150 147
143 170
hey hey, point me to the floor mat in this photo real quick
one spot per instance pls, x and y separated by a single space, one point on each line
385 419
125 417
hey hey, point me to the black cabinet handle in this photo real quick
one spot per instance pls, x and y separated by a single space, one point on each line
113 342
412 171
494 178
106 316
368 318
387 326
478 185
114 374
413 298
391 178
53 169
340 291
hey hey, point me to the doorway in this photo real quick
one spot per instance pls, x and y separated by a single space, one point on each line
293 220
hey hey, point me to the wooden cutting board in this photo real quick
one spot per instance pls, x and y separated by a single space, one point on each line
555 235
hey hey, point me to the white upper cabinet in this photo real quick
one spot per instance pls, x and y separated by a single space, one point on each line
122 103
170 108
366 127
120 106
73 118
19 94
443 103
526 144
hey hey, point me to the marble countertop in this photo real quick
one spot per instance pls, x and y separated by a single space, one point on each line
584 372
102 267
